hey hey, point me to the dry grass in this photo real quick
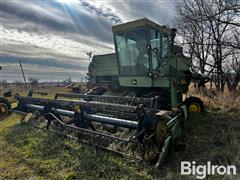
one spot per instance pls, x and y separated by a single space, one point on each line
29 153
37 154
214 100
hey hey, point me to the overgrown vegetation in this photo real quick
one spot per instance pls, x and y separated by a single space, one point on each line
34 153
27 152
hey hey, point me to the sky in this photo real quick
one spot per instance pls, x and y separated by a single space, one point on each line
52 37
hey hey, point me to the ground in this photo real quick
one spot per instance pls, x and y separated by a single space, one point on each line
30 153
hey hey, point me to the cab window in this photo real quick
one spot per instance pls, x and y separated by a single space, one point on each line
160 48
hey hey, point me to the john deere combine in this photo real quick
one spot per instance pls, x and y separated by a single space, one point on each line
135 106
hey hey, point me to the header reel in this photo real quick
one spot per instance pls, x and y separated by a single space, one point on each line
116 124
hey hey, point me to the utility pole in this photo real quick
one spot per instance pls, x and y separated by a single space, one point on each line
23 74
1 82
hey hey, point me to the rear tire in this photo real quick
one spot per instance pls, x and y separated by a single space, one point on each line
5 107
194 104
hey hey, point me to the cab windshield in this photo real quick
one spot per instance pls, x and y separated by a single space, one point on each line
132 53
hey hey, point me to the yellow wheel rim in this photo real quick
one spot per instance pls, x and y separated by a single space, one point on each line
194 107
3 110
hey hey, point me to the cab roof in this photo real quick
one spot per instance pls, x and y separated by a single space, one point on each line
140 23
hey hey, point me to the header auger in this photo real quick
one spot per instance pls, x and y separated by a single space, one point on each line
135 105
127 123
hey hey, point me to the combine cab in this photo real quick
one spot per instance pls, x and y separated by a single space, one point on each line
136 107
146 64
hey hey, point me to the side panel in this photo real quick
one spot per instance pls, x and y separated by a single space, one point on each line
106 65
103 69
161 82
136 81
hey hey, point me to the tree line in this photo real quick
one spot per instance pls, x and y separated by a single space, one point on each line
210 33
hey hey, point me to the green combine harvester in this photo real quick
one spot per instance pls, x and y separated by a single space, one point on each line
146 64
135 105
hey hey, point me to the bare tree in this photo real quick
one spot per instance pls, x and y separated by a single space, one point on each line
210 32
217 13
33 81
4 84
232 72
195 31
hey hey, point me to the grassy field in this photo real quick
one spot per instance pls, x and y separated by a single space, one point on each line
30 153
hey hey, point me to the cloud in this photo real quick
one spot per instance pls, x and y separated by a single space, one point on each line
12 72
69 19
61 34
161 11
49 45
44 62
34 12
103 11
